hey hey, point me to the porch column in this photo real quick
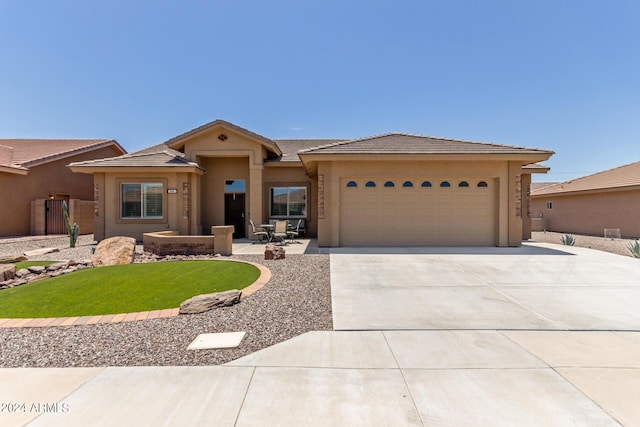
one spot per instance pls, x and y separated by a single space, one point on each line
526 206
515 203
255 196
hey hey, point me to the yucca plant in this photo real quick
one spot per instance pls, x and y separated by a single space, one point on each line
634 248
568 240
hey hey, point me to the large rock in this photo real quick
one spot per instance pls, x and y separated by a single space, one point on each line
41 251
206 302
114 251
12 258
7 272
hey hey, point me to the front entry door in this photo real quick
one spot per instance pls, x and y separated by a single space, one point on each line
234 213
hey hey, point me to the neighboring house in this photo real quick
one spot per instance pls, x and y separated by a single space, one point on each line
387 190
591 204
34 170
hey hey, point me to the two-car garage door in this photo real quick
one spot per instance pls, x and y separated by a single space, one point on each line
418 212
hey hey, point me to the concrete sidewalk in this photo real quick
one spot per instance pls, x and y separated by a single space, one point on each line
375 378
427 374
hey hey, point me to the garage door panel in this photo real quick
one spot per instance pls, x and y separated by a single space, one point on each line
418 216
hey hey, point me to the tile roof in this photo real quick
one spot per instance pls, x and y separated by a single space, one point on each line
402 143
25 153
156 156
620 177
290 147
539 185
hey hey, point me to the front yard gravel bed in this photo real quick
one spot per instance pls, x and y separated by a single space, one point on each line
296 300
615 246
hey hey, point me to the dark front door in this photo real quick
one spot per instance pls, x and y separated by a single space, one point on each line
234 213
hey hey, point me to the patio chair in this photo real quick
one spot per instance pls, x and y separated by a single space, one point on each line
280 232
261 235
295 232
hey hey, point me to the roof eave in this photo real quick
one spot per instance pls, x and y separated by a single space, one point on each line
16 170
310 160
88 169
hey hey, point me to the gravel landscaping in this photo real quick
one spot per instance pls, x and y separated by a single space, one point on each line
616 246
296 300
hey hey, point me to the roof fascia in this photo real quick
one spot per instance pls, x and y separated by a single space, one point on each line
179 140
137 169
310 160
14 170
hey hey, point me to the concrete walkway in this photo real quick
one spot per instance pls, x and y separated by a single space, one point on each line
413 359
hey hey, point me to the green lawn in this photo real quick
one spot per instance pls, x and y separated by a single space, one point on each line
124 288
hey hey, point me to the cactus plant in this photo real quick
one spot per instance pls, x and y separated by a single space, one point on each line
568 240
72 230
634 248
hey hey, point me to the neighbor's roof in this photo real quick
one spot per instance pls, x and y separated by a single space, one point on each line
156 156
402 143
539 185
620 177
21 154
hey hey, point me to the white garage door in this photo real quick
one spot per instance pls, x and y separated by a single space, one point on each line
418 212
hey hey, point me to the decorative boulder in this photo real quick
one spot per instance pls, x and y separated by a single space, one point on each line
36 269
7 272
11 259
274 252
206 302
114 251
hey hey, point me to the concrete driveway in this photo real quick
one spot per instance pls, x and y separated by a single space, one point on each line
536 286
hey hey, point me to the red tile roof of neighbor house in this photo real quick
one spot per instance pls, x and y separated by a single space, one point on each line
621 177
22 154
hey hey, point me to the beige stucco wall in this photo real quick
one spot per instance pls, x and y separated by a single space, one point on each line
589 213
17 191
509 226
288 176
108 223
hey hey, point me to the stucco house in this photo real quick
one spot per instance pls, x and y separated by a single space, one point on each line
34 176
590 204
387 190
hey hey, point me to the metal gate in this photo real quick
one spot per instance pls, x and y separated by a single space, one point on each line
54 217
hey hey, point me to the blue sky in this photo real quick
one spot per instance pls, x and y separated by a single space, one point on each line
563 75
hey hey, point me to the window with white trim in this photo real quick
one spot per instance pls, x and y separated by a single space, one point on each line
141 200
290 202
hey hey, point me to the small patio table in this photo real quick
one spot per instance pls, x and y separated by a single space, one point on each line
269 228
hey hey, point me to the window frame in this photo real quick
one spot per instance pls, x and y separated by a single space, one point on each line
305 209
143 200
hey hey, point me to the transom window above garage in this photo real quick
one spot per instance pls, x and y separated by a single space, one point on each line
389 184
352 184
445 184
370 184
